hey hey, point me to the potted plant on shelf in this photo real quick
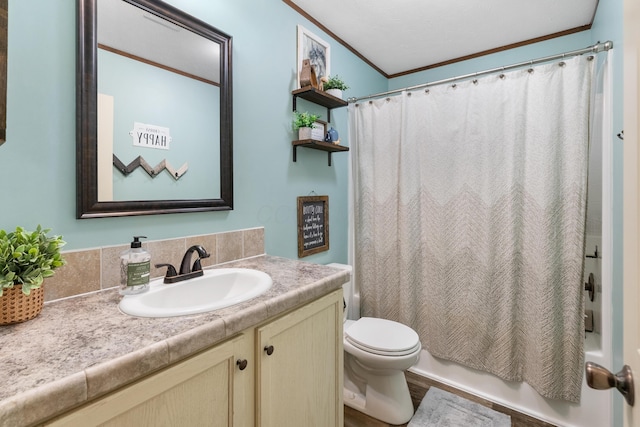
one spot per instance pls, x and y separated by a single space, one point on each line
303 123
334 86
26 259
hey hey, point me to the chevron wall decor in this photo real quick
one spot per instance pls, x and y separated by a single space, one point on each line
153 172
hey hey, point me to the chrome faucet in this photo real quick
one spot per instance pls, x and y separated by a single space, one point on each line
186 270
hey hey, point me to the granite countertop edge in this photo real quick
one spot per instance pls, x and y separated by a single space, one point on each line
103 370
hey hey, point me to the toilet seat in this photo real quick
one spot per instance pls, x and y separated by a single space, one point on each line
382 337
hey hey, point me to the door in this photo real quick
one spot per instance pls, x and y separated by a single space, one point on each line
631 257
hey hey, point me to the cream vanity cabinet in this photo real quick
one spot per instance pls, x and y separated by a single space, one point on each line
299 369
205 390
292 376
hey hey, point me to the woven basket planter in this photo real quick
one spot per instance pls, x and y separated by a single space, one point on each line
16 307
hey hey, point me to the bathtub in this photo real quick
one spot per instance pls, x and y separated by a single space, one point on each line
594 409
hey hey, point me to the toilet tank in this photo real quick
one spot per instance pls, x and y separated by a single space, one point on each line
347 290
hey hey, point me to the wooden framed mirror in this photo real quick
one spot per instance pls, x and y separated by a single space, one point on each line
4 21
176 83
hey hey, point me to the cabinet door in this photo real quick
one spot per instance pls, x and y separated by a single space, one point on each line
196 392
300 383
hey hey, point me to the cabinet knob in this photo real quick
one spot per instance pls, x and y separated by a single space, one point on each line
242 364
269 349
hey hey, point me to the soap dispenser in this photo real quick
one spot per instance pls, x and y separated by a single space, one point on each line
135 268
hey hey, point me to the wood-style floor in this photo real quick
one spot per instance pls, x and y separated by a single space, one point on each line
418 387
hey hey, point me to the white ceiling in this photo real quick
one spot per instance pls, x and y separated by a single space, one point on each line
400 36
133 31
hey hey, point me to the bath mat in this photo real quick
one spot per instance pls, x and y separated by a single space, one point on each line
443 409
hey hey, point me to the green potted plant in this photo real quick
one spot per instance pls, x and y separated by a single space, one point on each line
26 259
303 123
334 86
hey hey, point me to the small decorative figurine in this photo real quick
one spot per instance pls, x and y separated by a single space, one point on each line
323 80
332 136
308 75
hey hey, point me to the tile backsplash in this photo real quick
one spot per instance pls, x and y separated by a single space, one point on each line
90 270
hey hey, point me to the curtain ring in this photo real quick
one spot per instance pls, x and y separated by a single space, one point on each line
562 63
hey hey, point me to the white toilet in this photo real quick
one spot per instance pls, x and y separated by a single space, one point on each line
376 354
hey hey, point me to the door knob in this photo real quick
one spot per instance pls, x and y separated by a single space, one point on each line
269 350
600 378
242 364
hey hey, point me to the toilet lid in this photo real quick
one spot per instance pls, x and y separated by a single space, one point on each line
382 336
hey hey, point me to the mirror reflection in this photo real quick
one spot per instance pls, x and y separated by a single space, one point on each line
160 81
158 90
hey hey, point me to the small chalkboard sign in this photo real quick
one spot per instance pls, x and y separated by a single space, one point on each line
313 225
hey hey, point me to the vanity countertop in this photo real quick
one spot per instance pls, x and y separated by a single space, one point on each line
83 347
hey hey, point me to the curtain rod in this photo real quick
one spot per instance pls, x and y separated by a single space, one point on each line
596 48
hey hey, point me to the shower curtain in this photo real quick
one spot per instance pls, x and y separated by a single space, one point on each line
469 219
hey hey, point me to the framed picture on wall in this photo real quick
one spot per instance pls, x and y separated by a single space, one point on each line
319 130
313 225
316 50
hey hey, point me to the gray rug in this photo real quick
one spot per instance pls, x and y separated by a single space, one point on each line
443 409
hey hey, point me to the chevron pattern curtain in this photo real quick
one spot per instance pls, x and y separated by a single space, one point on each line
470 205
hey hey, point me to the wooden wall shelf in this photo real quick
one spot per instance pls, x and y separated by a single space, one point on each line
318 97
317 145
321 98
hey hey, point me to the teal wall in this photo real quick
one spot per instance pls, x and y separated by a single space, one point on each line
487 62
37 163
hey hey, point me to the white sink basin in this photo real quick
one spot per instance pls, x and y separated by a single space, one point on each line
217 288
